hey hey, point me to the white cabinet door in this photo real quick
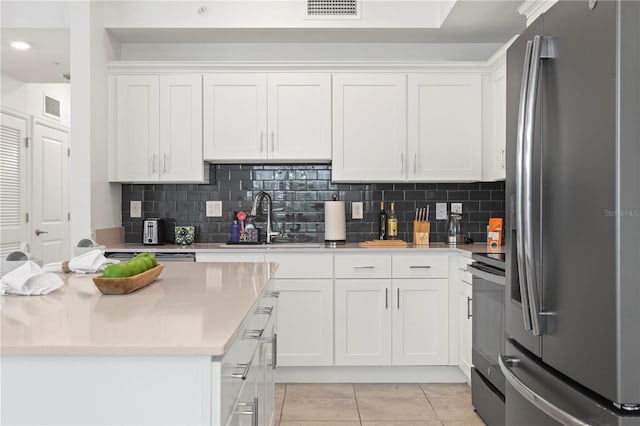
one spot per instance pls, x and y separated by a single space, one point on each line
363 322
369 127
158 129
180 149
299 117
137 128
235 117
464 343
420 322
494 145
445 127
305 322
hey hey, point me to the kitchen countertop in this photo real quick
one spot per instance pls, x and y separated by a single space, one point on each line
191 309
466 249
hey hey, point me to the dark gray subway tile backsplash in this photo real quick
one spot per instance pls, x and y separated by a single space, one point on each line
299 192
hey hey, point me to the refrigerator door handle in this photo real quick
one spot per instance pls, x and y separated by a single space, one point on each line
506 363
542 48
522 280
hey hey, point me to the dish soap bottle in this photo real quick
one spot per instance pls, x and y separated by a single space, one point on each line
234 235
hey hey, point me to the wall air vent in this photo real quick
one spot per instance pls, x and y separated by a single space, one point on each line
333 9
51 107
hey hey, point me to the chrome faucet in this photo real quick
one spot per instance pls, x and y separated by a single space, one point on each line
260 196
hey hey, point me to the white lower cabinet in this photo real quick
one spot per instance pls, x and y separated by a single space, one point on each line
305 308
363 322
420 322
465 315
389 320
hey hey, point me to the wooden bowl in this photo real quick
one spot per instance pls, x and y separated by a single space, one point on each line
128 284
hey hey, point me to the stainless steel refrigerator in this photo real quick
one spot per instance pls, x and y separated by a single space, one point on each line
572 303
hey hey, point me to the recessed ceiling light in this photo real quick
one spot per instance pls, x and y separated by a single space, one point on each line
20 45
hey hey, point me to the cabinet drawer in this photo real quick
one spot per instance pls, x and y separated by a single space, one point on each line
363 266
245 405
229 257
302 265
462 269
238 362
421 266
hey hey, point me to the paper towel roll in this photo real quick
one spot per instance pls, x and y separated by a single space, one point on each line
335 221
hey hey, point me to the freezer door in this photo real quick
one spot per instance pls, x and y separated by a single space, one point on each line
578 180
537 396
514 315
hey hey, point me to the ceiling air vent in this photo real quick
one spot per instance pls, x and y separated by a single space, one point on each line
51 107
333 9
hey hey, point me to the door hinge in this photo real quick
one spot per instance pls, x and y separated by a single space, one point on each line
68 152
69 216
26 217
27 141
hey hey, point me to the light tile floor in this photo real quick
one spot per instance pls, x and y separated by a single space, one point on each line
375 405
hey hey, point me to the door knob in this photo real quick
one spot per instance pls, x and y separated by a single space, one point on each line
38 232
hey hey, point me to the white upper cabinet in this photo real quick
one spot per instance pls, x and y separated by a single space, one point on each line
251 117
495 135
395 128
444 127
157 134
299 116
369 127
235 116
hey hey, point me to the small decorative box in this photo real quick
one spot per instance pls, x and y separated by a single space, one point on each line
185 235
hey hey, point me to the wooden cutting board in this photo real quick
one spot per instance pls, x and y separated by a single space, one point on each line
383 243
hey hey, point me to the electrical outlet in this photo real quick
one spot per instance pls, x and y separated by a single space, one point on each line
135 209
356 210
214 209
441 211
456 208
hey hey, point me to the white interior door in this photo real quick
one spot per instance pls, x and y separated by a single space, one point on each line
13 181
50 192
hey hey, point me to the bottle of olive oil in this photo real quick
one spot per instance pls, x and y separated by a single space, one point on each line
392 223
382 222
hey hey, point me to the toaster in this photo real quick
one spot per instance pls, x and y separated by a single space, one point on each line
153 232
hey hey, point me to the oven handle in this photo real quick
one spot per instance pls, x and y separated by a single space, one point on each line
496 279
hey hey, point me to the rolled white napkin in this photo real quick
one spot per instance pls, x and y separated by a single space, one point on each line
29 280
87 263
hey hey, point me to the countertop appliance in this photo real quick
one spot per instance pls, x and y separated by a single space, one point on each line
455 234
153 232
487 381
573 226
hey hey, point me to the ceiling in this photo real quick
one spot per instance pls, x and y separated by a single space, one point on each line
470 21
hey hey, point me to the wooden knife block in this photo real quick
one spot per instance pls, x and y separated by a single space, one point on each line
421 230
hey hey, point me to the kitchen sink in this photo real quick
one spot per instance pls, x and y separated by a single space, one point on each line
274 245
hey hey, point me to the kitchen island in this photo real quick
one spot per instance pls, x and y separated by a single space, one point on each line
179 351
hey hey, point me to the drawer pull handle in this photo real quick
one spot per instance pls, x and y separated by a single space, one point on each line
245 371
420 267
264 310
253 334
274 293
363 267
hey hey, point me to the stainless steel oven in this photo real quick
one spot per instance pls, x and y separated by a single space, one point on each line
488 339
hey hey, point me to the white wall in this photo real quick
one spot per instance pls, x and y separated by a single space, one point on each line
28 97
95 203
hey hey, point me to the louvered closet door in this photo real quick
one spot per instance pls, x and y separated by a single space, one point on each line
50 192
13 182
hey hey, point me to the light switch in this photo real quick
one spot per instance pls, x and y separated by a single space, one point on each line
356 210
135 209
214 209
441 211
